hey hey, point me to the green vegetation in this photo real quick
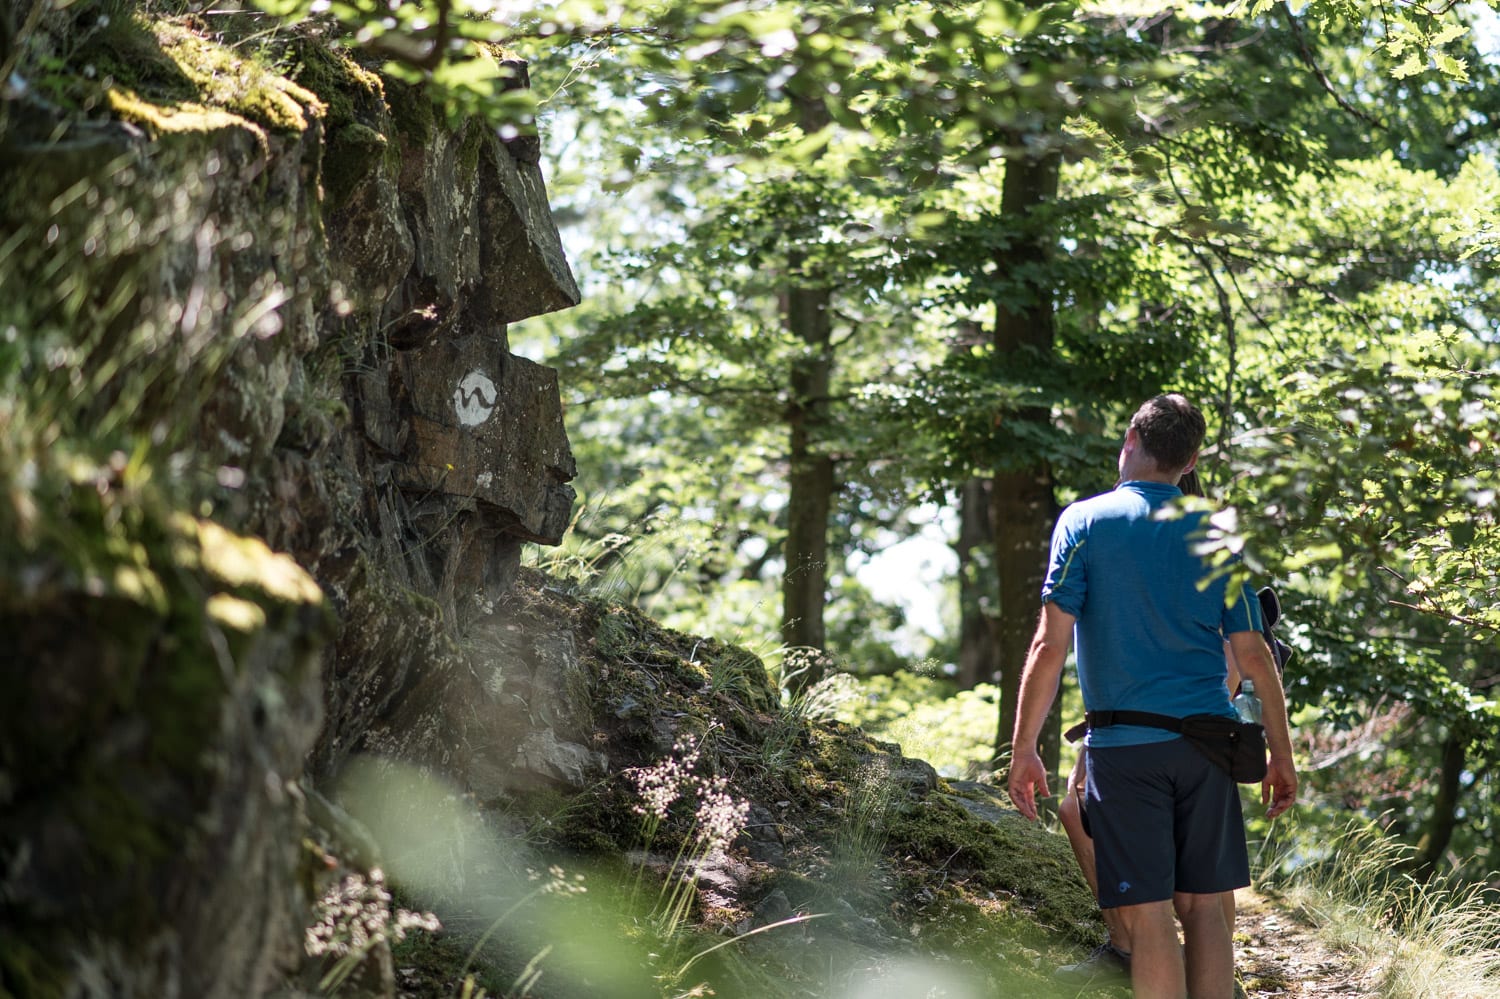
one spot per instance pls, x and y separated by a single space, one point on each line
1273 228
665 904
856 272
951 729
1413 939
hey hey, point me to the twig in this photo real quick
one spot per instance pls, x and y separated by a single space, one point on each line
436 52
1455 618
1307 57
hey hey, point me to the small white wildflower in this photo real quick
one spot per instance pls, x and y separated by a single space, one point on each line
660 786
356 914
721 816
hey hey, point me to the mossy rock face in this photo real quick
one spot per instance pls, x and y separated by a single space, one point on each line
213 183
356 122
168 689
165 75
351 92
354 152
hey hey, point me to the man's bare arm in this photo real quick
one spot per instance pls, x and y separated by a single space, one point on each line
1232 668
1044 666
1254 659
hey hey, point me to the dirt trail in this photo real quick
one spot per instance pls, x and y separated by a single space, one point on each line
1276 955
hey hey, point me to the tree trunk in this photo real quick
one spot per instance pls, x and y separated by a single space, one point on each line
1023 510
978 659
1444 817
810 477
1022 503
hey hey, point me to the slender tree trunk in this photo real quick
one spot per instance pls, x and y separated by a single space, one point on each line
1444 817
1023 510
810 480
1022 504
978 659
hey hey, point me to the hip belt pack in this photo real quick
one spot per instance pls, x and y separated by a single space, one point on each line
1238 748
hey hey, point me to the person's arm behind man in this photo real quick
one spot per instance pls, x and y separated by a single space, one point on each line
1044 666
1256 665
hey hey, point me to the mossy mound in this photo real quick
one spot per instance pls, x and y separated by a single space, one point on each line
851 863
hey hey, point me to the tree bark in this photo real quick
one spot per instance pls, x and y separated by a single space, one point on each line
1022 504
1023 510
1444 816
810 477
978 658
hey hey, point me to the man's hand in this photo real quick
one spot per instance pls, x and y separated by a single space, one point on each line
1044 665
1027 774
1279 789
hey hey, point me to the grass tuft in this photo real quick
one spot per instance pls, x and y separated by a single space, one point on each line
1414 939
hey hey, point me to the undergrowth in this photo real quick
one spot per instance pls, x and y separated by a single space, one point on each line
1414 939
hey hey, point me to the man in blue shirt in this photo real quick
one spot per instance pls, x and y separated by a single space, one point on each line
1123 579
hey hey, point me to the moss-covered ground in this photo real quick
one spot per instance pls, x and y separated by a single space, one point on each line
867 879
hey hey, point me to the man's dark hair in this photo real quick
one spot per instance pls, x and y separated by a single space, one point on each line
1171 430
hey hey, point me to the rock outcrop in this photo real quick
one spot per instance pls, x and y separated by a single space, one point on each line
266 468
243 309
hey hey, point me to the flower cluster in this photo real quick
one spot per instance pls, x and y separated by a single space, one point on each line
660 786
558 882
720 816
356 914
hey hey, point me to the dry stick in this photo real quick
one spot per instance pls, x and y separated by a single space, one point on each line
33 18
436 52
1439 612
1317 70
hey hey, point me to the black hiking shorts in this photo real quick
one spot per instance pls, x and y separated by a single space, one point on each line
1164 819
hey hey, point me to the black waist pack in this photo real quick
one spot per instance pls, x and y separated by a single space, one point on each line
1235 747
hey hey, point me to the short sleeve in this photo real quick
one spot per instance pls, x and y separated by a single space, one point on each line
1243 614
1066 583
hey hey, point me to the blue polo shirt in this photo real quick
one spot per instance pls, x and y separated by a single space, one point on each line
1150 635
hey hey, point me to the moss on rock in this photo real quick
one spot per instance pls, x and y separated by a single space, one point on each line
166 76
353 153
223 77
124 746
351 93
1004 854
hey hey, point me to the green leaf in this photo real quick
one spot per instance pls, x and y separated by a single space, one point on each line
1462 533
1448 32
1414 63
1455 69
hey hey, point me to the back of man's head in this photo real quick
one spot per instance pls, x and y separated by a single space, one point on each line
1170 429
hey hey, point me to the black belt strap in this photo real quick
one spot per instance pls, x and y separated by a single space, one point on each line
1104 719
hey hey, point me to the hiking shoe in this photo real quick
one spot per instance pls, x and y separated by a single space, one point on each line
1106 962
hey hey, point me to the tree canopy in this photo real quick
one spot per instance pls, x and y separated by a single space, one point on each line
844 260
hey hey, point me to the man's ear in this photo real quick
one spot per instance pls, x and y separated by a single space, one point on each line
1192 463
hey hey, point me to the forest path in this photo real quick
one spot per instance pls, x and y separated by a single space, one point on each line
1277 955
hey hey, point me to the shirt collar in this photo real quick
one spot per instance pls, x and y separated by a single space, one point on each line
1147 486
